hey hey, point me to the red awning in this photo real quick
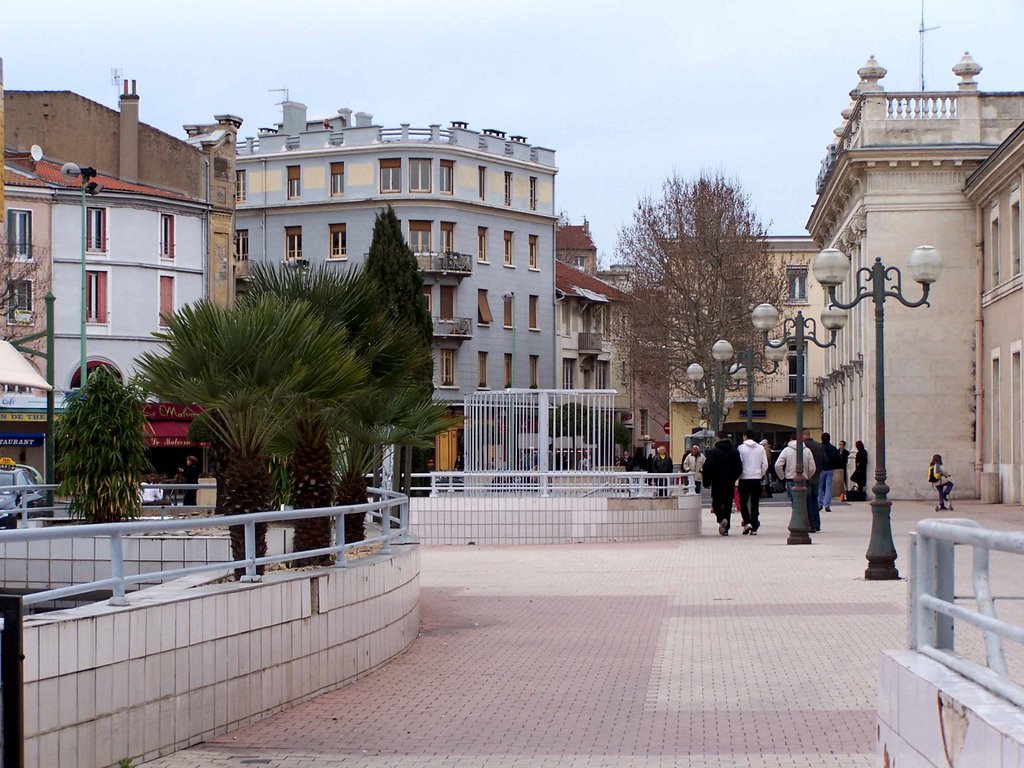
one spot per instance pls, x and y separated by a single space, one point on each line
168 434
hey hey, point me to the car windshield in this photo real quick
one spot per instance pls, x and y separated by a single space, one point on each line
6 478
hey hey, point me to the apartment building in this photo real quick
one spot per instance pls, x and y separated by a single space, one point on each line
477 209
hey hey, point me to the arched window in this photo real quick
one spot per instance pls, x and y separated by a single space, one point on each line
76 380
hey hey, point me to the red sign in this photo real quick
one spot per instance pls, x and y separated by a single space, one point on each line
667 425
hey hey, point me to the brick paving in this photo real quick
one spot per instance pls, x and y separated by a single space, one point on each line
717 652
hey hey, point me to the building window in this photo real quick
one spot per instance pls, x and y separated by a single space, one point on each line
339 242
996 418
534 365
419 236
166 236
792 365
533 252
337 179
481 370
796 278
19 235
294 182
481 244
96 230
994 250
483 309
508 370
533 313
293 243
428 298
447 367
508 249
601 374
240 186
390 176
481 181
419 175
96 297
447 236
166 299
508 315
533 193
568 373
508 187
447 302
19 302
447 185
242 244
1015 236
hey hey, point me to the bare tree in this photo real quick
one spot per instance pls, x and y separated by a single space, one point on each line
24 280
699 263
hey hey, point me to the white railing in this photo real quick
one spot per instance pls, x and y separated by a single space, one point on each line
920 106
383 509
933 609
609 483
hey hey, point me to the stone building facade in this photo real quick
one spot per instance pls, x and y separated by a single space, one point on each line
477 209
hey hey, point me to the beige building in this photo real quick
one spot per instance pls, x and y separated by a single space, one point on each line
894 179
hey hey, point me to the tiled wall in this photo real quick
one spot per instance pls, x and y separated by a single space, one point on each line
455 519
929 715
61 562
184 663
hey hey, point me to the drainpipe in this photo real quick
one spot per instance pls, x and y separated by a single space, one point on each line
979 352
263 213
206 236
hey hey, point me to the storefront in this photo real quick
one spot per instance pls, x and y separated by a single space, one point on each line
23 429
167 439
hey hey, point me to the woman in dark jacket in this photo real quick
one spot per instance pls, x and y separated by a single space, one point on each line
860 467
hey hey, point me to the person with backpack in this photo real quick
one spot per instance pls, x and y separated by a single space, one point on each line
939 478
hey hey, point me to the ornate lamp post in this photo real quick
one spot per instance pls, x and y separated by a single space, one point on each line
718 405
746 370
795 331
831 267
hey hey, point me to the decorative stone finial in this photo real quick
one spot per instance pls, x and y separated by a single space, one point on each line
966 69
870 74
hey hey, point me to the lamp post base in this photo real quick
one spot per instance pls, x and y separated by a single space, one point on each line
799 528
798 537
881 570
881 554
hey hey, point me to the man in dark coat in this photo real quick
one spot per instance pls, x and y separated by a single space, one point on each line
722 468
662 465
814 482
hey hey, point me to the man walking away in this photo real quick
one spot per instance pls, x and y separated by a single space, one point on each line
722 468
832 463
754 465
785 466
813 483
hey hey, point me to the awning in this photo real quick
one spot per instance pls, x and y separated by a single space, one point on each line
168 434
17 371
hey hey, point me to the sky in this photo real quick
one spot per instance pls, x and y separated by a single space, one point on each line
625 93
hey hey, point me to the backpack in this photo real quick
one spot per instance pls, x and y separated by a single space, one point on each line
932 477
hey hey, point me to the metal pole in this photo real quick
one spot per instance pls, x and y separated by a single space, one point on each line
750 389
881 554
48 448
12 671
83 370
798 523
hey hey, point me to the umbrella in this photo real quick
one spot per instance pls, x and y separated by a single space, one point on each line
16 370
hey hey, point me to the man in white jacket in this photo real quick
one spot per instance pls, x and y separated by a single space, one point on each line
755 464
785 465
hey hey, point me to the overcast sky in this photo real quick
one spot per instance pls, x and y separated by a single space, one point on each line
625 92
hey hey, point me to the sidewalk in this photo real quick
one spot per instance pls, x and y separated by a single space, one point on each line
717 652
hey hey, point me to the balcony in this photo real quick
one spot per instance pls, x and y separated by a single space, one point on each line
589 343
447 263
241 269
453 328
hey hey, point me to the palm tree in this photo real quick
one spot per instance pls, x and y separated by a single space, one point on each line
251 368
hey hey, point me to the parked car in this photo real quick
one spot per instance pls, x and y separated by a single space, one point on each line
18 486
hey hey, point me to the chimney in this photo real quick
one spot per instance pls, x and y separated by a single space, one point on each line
128 165
294 120
364 119
346 117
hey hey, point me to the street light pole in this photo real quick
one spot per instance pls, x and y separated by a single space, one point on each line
746 369
71 171
765 318
717 406
831 267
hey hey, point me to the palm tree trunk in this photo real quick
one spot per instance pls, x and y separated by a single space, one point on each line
352 490
246 488
312 479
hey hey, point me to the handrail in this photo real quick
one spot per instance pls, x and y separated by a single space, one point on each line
563 483
114 531
932 600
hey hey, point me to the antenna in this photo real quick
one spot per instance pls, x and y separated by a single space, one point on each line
281 90
920 32
115 78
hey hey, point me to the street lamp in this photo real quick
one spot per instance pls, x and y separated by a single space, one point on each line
718 406
746 370
795 331
70 171
831 267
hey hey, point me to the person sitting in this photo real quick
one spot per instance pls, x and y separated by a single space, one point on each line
151 496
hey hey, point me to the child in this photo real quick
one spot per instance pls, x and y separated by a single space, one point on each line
939 478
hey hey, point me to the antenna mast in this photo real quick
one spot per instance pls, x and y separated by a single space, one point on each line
920 32
285 92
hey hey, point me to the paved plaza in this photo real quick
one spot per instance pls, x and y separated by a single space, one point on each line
716 652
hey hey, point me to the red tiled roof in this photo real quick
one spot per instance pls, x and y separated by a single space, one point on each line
13 178
568 279
49 173
574 237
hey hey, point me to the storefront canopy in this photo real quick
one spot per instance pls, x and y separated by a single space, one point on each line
16 370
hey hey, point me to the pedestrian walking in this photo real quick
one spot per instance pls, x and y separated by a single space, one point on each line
813 484
766 481
785 465
844 461
694 462
722 468
860 468
939 478
662 465
831 456
191 474
754 466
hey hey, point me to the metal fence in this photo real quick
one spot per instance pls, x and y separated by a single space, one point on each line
933 608
525 430
623 484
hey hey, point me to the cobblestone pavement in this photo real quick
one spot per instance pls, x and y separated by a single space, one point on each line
717 652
